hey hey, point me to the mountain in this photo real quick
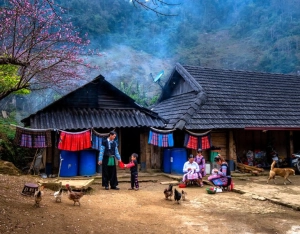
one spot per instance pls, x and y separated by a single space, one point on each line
254 35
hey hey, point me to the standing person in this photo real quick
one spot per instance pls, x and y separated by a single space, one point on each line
222 177
108 153
200 160
133 165
191 171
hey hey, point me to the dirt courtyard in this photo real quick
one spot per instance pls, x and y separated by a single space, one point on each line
143 211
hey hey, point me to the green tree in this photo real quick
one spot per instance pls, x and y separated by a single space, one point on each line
9 79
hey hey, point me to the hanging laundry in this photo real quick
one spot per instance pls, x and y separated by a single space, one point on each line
196 141
204 142
97 139
96 142
170 140
33 138
154 138
192 142
161 139
74 141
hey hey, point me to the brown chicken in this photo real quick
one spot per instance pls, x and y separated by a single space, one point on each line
74 196
38 196
169 192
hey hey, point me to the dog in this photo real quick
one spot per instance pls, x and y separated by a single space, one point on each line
283 172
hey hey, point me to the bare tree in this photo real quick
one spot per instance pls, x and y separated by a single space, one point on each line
155 5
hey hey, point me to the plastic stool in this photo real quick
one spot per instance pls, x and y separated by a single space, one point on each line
29 189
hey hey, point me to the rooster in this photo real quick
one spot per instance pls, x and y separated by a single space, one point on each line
74 196
169 192
58 194
38 196
183 195
177 195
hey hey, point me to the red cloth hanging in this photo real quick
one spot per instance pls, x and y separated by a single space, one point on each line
205 142
192 143
74 141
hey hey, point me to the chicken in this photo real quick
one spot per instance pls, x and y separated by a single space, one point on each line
58 194
169 192
177 195
38 196
74 196
183 195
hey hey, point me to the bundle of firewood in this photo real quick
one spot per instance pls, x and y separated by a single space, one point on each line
249 169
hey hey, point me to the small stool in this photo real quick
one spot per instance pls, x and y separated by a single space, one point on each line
29 189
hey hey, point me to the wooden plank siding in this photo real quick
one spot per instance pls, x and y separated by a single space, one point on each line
182 87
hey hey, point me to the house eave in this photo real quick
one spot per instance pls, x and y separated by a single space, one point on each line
273 128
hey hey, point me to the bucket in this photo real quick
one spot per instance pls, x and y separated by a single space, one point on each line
121 165
69 163
178 158
213 154
87 162
207 168
167 161
231 185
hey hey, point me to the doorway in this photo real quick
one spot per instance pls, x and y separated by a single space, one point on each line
130 143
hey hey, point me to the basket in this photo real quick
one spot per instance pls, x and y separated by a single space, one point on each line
211 190
121 165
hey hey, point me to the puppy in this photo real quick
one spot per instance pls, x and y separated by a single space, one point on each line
283 172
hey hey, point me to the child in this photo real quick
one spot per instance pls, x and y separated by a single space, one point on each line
133 165
200 160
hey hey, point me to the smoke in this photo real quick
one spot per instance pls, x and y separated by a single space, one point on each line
124 64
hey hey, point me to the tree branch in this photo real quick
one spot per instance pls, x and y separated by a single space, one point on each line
147 6
13 61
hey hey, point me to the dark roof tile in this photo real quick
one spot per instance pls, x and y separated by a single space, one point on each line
233 99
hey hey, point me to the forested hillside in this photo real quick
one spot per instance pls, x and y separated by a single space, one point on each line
262 35
255 35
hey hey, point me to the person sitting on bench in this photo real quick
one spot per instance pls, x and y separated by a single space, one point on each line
191 172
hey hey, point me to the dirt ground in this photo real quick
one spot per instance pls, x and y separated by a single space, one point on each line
143 211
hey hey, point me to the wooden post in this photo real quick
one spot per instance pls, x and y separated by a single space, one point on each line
291 144
144 151
232 147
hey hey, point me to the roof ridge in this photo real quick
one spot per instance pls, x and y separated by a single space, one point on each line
188 77
239 70
195 105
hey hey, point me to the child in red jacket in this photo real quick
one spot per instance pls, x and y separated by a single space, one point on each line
133 165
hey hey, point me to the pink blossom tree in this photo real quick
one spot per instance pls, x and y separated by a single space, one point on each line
47 50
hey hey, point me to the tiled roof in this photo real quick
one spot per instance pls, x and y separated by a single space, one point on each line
74 118
97 104
235 99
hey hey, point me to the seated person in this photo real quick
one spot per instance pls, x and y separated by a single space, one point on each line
200 160
191 172
222 177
